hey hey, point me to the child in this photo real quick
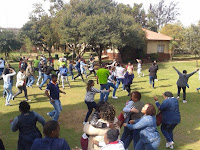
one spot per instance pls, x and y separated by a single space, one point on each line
71 67
89 98
139 68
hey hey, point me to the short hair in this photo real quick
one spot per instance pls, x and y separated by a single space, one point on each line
49 127
21 69
168 94
137 95
54 76
24 107
185 71
112 135
151 110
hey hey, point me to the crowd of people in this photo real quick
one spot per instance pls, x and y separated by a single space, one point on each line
101 126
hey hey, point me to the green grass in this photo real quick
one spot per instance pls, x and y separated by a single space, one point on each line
186 134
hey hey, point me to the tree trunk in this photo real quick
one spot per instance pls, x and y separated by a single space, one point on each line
196 60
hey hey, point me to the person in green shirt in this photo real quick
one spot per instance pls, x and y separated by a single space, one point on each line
36 62
102 77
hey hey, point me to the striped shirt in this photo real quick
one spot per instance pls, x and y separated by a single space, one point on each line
89 97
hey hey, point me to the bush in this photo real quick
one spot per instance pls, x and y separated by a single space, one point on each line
153 56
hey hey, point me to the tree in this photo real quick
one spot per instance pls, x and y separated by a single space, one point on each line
8 42
161 14
28 45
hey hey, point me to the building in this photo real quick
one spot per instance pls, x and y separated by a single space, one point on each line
157 44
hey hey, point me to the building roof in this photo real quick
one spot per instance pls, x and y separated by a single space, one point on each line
154 36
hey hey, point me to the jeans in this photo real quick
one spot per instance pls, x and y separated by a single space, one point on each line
92 71
184 92
151 80
71 74
104 96
31 80
4 91
147 146
83 71
20 91
128 89
8 89
63 78
167 131
46 77
136 136
118 83
113 86
127 137
90 106
57 109
41 75
1 71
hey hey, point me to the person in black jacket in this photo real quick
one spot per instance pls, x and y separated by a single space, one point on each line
1 145
152 74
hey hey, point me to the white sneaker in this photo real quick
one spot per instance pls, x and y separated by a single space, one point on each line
170 145
124 90
8 104
178 97
49 116
28 100
84 123
37 83
184 101
13 98
156 79
114 97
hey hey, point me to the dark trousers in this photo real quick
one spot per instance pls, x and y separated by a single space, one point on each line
184 92
167 131
128 88
92 71
90 106
79 74
20 91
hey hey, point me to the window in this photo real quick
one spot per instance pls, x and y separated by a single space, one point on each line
160 48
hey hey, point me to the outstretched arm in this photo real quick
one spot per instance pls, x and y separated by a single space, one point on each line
177 71
192 73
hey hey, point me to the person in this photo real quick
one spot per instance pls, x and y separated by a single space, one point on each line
71 67
129 66
170 116
77 67
63 72
24 63
20 62
149 135
11 78
139 67
91 57
7 74
111 140
26 124
82 67
50 60
89 98
61 62
51 141
111 81
182 82
112 64
31 75
102 79
40 71
2 65
21 84
2 147
128 79
155 62
35 63
54 99
152 74
91 68
132 111
120 71
47 76
107 115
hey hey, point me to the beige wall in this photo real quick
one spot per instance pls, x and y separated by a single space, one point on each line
152 46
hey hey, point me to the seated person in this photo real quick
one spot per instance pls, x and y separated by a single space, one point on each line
51 141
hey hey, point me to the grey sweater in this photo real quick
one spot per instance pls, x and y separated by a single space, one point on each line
183 78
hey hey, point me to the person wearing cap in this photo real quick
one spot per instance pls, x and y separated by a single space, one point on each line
170 116
182 82
63 72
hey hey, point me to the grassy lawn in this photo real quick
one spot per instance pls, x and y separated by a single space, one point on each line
186 134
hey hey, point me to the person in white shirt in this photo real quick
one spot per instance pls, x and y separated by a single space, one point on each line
2 65
111 140
139 68
7 84
21 84
120 71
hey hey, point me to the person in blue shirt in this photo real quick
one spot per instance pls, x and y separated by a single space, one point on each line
51 141
26 124
170 116
54 90
77 67
149 135
63 72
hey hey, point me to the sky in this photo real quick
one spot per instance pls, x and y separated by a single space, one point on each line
15 13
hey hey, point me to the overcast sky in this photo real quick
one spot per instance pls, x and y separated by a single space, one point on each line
15 13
